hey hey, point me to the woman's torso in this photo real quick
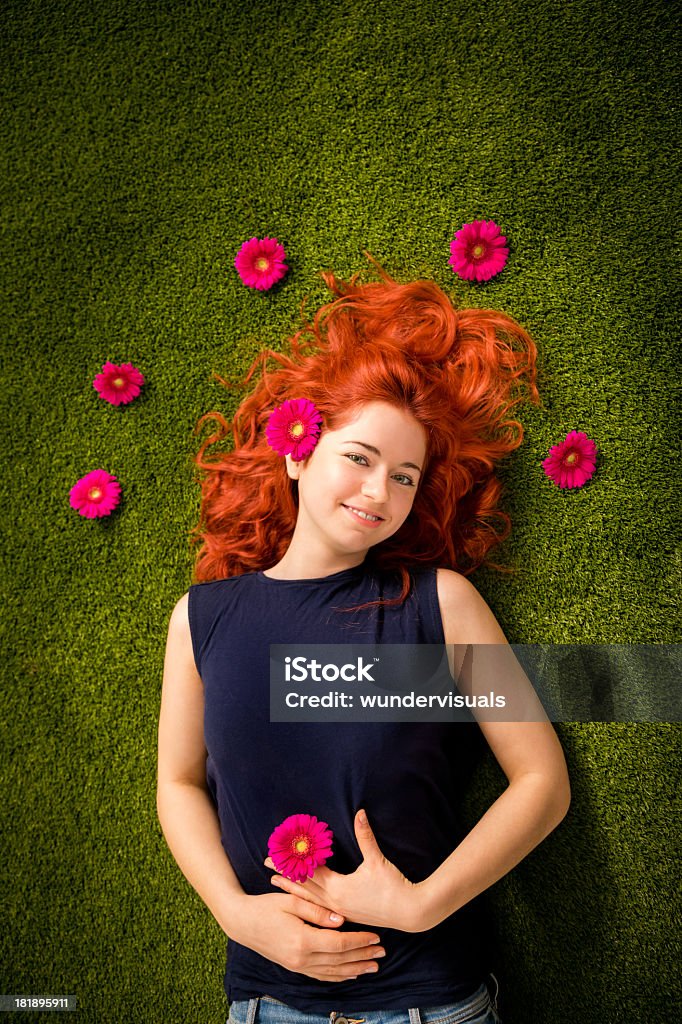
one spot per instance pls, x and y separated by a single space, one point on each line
408 776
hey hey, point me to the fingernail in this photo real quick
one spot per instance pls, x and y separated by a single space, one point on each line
335 917
371 970
374 942
362 817
379 952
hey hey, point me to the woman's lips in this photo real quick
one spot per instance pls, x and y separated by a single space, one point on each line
359 519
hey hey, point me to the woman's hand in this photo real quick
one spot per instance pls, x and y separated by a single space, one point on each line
281 928
376 893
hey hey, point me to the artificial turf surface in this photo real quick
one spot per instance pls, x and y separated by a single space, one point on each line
142 144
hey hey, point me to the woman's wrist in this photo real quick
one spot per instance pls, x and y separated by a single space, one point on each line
428 909
233 913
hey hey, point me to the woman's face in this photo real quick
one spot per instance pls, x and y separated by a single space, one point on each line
371 465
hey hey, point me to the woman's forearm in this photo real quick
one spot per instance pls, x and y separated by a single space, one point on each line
528 810
190 824
284 929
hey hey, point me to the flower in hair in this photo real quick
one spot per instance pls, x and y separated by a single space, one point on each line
96 494
299 845
260 263
118 385
478 251
571 463
294 428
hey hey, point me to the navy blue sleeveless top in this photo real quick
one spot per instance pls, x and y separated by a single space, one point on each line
407 776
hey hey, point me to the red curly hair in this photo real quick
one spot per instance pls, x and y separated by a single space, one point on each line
458 372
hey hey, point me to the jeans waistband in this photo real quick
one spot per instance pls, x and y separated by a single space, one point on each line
479 1001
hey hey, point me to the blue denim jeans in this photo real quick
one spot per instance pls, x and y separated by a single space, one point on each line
475 1009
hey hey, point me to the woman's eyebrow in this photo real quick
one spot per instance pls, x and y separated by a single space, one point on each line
375 451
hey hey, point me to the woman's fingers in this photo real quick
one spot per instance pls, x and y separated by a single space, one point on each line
348 972
308 891
315 914
322 874
331 955
347 956
369 848
345 947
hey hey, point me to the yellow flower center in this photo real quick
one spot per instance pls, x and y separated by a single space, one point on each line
118 382
571 459
296 429
478 251
262 263
301 846
95 493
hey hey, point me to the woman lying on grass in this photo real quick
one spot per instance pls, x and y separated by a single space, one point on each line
359 493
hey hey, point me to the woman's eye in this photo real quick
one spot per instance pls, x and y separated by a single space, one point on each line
406 480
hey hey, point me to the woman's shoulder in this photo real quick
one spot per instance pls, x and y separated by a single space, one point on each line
205 595
206 591
466 616
178 624
452 585
223 581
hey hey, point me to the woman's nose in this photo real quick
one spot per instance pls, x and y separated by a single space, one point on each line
375 486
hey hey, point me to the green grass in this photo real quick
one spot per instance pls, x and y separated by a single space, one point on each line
142 143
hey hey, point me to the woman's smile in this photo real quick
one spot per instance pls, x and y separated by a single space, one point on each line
364 517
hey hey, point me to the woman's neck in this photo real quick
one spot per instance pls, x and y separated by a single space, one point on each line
298 568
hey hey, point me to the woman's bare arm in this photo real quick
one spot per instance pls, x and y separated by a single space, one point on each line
530 755
278 926
186 811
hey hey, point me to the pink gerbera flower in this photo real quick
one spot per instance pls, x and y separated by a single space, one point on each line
260 262
299 845
118 384
478 251
571 463
294 428
96 494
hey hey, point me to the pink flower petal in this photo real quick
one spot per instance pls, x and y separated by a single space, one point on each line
96 494
118 384
294 428
572 462
477 251
260 262
297 846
